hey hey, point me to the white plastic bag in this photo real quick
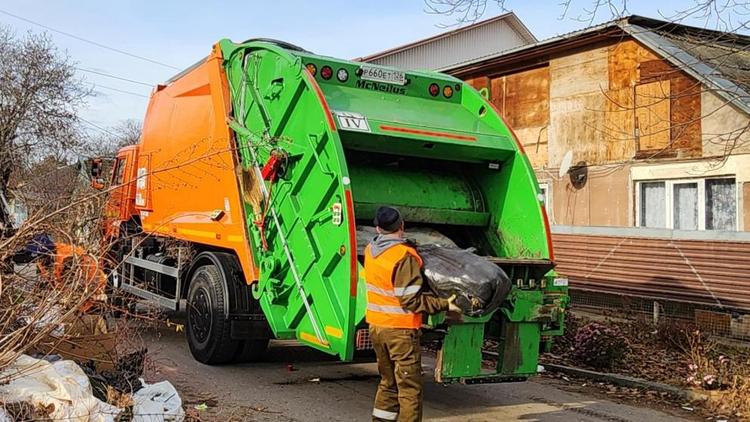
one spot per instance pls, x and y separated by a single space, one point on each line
157 402
61 386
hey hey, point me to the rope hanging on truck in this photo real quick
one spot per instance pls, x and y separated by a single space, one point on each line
271 172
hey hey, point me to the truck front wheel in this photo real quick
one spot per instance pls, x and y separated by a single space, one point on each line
207 329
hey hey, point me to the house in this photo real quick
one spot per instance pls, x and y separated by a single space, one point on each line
638 131
654 115
442 51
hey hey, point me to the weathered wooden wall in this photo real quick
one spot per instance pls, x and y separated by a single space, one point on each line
684 102
523 99
603 201
606 103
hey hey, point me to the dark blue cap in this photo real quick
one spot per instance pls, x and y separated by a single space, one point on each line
388 219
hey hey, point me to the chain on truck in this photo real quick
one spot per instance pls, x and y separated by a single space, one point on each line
262 159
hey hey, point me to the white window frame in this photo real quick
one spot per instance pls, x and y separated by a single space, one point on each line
669 200
547 189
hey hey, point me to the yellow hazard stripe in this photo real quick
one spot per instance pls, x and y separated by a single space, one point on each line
334 332
312 339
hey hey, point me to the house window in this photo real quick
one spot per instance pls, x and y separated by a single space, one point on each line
652 117
694 204
721 204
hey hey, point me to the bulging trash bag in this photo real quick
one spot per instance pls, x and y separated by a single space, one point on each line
479 285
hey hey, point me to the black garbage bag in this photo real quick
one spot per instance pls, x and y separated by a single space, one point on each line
479 285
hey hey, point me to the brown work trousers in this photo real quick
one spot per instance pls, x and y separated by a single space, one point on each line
399 396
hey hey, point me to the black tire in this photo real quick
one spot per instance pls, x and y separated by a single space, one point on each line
207 330
252 350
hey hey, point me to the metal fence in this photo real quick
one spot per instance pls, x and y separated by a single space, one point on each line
698 276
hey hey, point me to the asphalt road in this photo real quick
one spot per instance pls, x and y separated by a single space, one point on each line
320 389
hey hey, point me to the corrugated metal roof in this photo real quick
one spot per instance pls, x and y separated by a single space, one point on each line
496 34
622 262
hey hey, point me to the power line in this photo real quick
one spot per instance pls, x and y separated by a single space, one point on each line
119 90
94 125
67 34
107 75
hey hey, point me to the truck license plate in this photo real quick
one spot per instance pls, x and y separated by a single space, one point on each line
379 74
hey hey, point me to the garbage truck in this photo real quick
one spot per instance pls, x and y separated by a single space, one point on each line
242 201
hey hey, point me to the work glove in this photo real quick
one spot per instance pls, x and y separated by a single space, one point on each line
452 307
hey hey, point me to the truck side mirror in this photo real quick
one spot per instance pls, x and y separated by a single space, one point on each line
96 174
96 168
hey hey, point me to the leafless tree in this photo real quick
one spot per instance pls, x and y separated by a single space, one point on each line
39 98
105 145
726 15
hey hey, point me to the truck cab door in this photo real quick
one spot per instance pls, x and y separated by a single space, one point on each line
119 206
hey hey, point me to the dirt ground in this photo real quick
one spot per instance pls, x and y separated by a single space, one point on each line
318 388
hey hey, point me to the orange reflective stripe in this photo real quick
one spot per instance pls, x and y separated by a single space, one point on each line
383 305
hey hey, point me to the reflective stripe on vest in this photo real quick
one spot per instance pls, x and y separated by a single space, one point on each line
383 305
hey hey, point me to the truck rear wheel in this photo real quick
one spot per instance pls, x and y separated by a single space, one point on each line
208 331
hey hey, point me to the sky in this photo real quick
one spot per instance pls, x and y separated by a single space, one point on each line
178 33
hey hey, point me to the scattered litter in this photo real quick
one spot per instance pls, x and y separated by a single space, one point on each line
61 387
314 380
566 378
201 406
688 408
540 369
157 402
290 367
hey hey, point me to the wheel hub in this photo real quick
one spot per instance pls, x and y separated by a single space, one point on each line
200 315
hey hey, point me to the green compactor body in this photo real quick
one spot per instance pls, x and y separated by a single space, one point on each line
335 139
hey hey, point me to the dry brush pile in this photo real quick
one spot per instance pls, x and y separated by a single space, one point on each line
673 352
49 308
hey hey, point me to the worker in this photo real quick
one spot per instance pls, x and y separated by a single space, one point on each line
57 262
396 301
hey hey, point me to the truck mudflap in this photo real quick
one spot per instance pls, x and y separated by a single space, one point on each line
297 197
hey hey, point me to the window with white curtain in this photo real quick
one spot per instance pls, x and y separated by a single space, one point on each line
693 204
721 204
652 207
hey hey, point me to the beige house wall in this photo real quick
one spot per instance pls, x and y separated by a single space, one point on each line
725 129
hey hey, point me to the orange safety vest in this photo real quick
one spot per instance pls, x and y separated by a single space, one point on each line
383 306
93 276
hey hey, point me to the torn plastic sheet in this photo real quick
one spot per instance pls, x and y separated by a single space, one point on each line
60 386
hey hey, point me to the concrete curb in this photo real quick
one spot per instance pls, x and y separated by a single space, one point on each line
626 381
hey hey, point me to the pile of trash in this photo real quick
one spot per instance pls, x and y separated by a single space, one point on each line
76 372
32 389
